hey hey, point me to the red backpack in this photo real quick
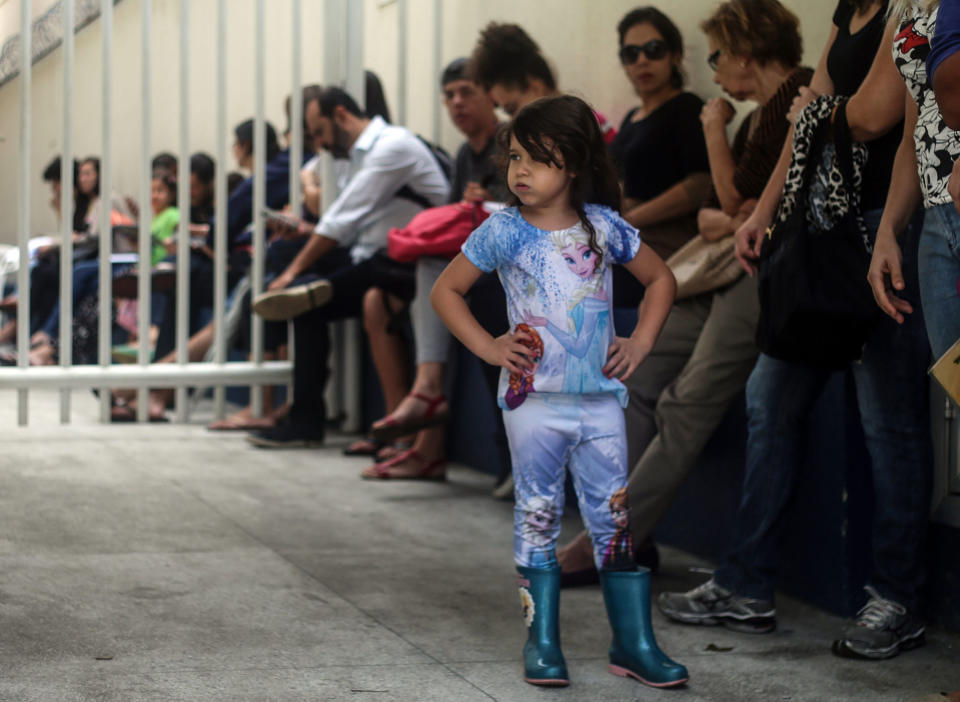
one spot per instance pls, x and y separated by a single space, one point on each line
438 231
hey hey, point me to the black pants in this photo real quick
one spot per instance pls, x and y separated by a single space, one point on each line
312 335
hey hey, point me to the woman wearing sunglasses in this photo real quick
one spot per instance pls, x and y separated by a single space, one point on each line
665 176
706 350
660 147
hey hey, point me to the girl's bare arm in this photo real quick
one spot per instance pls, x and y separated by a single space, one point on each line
661 288
447 300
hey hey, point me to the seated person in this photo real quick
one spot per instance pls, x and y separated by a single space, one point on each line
476 179
386 163
45 273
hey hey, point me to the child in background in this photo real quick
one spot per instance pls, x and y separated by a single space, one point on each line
553 251
163 201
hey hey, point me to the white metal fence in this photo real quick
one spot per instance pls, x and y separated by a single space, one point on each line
343 65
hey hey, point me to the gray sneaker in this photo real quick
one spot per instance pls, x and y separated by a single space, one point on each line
882 629
709 604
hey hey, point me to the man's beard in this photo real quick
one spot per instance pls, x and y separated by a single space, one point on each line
341 140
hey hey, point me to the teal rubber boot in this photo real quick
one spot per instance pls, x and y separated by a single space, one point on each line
543 662
634 652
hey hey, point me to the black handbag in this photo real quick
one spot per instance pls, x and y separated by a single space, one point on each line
816 306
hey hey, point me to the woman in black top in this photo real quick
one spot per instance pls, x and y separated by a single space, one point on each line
660 148
890 381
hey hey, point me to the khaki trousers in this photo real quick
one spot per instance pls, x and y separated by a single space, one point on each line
679 395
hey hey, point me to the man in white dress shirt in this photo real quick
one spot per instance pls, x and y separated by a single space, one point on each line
391 176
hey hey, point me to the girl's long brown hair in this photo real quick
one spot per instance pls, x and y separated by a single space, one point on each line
563 132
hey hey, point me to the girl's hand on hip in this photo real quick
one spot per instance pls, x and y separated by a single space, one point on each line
623 357
507 352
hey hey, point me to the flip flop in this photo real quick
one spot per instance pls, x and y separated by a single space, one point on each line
436 413
429 470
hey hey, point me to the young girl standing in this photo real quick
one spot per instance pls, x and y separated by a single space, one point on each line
553 253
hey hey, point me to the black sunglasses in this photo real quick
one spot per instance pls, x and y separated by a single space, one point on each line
713 59
654 50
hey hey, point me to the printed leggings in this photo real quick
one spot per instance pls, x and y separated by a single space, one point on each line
548 432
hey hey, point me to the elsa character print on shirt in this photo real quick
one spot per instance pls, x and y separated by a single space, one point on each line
558 291
586 335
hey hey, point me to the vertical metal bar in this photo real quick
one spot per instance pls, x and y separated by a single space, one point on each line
355 82
401 62
334 73
23 211
350 350
296 131
437 66
296 109
104 332
259 200
66 213
220 204
183 203
146 243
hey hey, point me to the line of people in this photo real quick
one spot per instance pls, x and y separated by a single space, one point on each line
681 178
565 296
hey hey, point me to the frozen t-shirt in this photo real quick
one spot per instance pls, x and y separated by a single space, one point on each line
559 295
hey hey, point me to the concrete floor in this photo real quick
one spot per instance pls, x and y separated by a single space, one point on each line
162 562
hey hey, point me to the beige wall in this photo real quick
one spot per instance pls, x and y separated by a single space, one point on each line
10 16
578 36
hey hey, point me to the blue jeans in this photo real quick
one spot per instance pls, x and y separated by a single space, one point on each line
939 261
891 383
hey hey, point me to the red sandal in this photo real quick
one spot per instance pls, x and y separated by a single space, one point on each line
436 413
429 470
